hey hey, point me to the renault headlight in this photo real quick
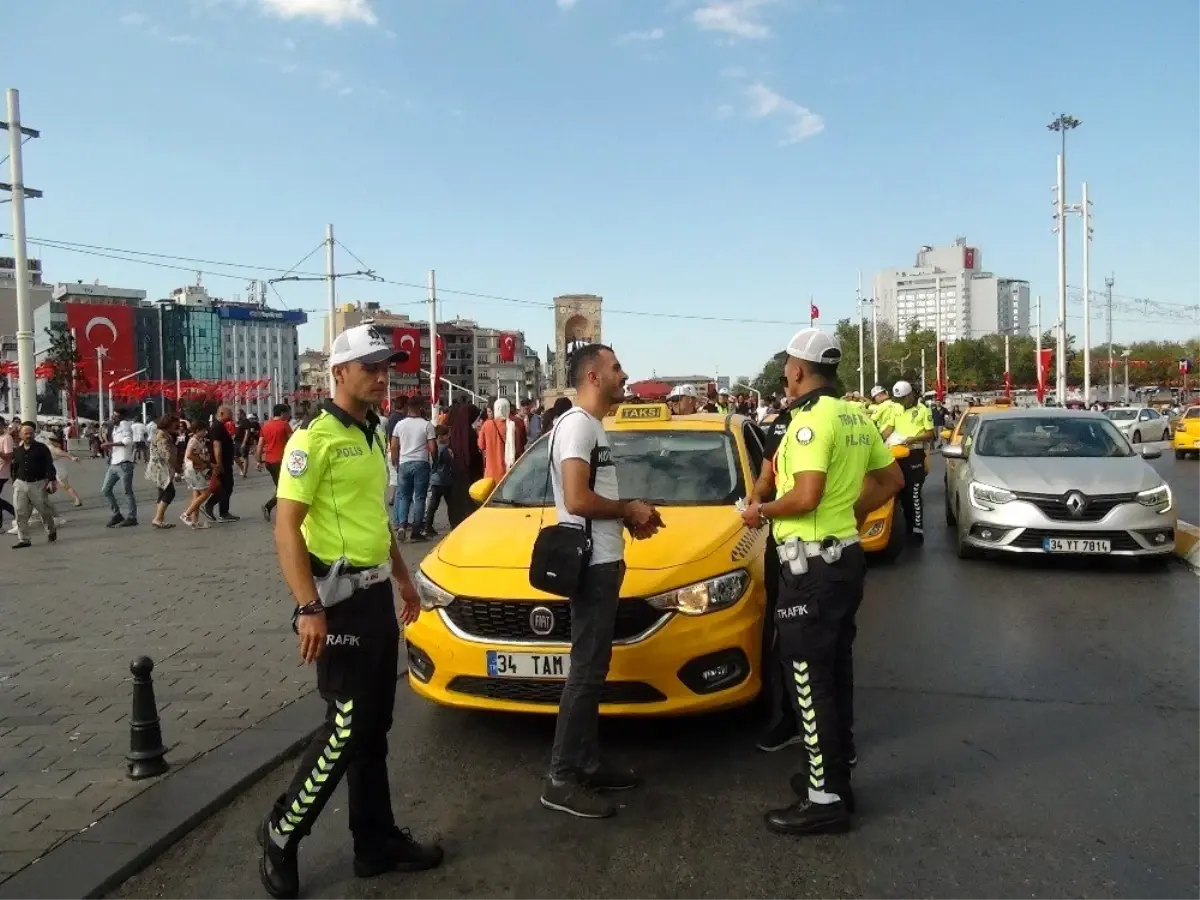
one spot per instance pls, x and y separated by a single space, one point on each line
987 497
432 596
1158 499
704 596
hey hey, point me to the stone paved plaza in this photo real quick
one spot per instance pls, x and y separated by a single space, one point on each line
208 607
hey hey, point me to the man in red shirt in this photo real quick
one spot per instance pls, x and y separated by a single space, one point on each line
271 443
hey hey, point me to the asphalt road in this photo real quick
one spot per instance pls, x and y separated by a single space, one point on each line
1025 729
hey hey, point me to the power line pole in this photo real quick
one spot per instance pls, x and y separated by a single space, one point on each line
16 137
1063 123
1108 286
862 369
331 278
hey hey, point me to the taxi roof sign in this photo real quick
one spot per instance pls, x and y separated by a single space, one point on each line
643 412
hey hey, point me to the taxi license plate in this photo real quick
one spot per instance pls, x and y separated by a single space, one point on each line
527 665
1076 545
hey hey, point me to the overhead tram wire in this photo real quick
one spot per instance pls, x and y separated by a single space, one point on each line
1184 311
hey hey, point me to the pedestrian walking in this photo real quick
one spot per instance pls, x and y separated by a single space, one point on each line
160 469
412 447
120 446
584 480
272 440
338 558
832 470
6 455
33 480
441 479
220 485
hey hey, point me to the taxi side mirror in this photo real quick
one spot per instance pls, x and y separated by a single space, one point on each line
899 451
482 489
946 434
954 451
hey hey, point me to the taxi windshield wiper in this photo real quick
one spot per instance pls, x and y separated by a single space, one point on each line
520 504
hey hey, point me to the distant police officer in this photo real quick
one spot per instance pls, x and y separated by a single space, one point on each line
911 424
832 469
337 556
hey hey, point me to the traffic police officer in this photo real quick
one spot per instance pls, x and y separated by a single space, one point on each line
911 424
833 469
337 556
881 407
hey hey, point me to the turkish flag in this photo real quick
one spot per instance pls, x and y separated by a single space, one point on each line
409 340
107 330
508 348
813 312
1042 362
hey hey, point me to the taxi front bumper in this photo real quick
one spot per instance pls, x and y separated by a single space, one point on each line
678 665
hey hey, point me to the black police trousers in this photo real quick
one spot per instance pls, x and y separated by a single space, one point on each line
356 676
776 691
815 617
911 501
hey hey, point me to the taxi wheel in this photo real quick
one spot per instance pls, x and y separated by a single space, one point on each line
963 549
1180 454
897 539
1137 437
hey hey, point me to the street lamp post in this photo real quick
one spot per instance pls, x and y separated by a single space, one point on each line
1063 123
1125 356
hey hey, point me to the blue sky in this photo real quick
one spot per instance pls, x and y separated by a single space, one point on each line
719 158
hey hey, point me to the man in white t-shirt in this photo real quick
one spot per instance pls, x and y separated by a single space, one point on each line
141 441
120 469
413 444
579 444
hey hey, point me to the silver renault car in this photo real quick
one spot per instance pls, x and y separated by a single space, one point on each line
1056 481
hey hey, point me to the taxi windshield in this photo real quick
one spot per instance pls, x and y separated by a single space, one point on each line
667 468
1051 436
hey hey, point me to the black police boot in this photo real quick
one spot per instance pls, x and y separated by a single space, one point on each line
805 817
279 869
799 786
397 852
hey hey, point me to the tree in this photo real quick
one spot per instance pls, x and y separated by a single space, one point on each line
63 355
769 382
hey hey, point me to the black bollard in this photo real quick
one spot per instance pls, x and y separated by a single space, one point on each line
146 750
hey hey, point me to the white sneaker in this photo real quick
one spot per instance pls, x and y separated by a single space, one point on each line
12 530
59 521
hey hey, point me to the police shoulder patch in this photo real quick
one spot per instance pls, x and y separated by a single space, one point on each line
297 463
804 435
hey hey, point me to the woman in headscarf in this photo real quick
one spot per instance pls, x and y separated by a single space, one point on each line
467 466
502 440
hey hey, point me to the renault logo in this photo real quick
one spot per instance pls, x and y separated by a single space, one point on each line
541 620
1076 503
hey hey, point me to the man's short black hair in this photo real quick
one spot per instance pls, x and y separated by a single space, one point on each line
581 359
827 371
32 425
280 409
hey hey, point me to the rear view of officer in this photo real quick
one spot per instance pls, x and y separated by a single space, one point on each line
337 556
912 425
832 469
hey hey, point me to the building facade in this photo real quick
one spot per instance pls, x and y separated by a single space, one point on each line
950 283
260 344
40 293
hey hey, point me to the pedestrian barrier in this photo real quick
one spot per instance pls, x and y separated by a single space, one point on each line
146 750
1187 543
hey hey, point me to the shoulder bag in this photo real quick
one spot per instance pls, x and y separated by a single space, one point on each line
561 552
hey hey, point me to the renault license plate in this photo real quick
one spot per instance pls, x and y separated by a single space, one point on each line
1076 545
501 664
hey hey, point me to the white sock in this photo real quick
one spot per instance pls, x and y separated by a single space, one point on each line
822 797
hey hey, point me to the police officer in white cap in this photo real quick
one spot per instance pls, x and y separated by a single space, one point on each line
911 424
832 468
687 401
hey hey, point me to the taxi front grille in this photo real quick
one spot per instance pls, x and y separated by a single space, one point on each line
1054 506
508 620
547 691
1033 537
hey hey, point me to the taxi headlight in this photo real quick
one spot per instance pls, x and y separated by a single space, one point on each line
987 497
1158 499
432 596
704 596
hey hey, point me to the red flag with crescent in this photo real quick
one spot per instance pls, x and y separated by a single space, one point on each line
1042 360
408 340
107 329
508 348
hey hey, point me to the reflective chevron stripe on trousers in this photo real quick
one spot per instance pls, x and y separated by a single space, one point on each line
816 621
356 675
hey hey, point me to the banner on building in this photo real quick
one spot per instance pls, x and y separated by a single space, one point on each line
408 340
107 330
508 348
968 257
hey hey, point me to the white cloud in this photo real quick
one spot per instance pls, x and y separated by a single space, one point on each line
134 20
738 18
143 24
801 122
566 4
331 12
642 37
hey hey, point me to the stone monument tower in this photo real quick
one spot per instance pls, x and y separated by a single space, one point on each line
576 322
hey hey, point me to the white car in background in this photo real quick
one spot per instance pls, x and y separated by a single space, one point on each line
1140 423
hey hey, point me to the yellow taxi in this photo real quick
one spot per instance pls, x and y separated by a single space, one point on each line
963 429
689 627
1186 439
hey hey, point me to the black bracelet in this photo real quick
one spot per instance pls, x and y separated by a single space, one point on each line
311 609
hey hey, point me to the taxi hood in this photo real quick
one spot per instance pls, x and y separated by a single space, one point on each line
497 537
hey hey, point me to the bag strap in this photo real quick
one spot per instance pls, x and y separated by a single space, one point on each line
546 488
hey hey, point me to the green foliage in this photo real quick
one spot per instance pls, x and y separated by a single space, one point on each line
64 356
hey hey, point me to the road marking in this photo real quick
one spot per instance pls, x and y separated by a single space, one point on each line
1187 544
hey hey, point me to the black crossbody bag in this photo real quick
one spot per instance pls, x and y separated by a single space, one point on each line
562 552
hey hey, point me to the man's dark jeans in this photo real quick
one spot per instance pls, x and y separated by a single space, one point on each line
220 499
593 617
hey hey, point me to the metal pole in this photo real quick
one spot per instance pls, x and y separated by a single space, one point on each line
99 385
862 369
162 375
1085 211
923 388
331 278
178 386
1108 284
875 335
1037 358
1060 217
937 333
1126 356
26 378
1007 370
433 361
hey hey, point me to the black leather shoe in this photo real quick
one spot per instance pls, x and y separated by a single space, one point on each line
278 868
399 852
799 786
804 818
